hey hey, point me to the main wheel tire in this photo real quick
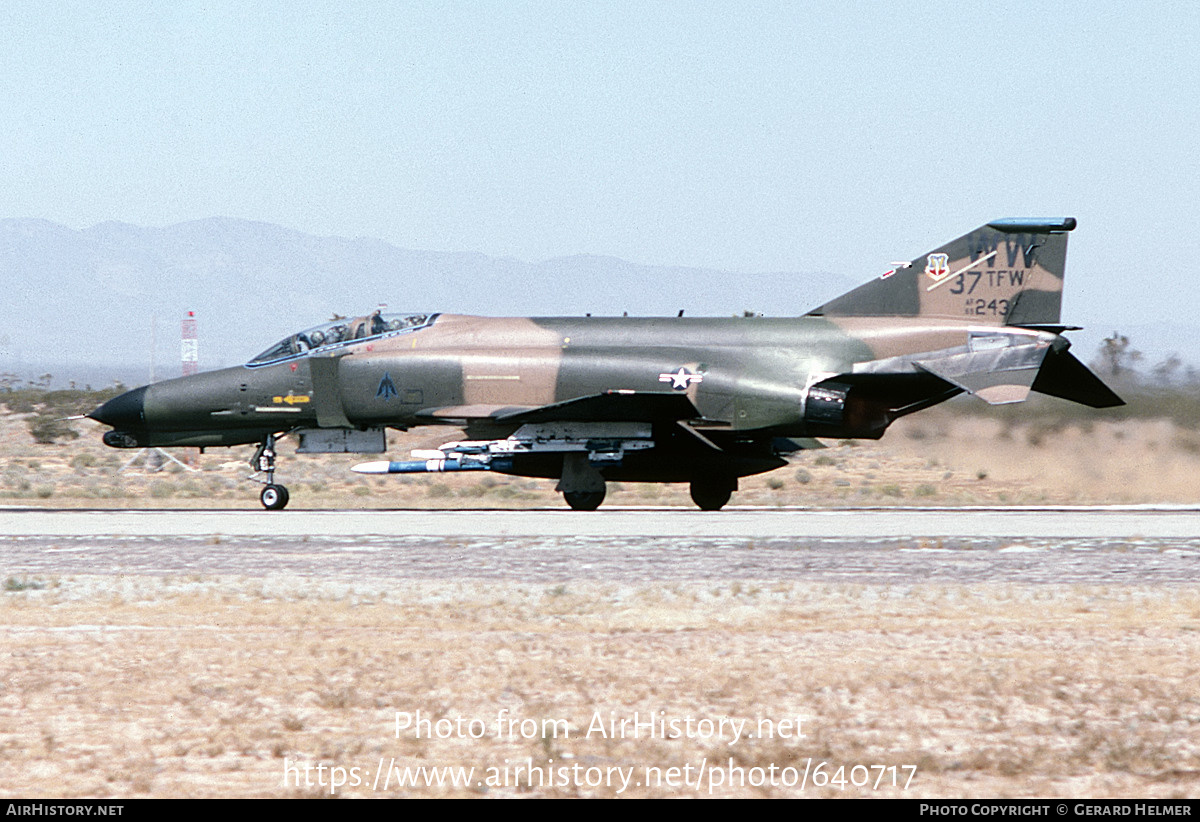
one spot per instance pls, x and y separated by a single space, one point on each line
710 496
274 497
584 500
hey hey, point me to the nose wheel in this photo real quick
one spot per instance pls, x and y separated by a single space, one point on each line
274 497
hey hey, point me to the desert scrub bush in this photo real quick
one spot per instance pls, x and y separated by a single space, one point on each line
161 489
1039 432
14 584
84 460
49 428
19 402
1187 442
510 491
477 489
191 488
61 403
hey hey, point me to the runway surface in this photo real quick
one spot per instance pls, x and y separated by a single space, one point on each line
895 546
1107 522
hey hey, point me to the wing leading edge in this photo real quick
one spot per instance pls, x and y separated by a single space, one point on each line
606 406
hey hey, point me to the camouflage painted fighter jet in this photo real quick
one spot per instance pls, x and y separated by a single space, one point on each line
592 400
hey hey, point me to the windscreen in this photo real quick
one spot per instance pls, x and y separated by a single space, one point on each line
341 331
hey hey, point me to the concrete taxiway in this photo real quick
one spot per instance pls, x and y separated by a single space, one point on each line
1109 545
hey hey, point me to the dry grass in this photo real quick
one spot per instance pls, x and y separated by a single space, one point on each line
208 687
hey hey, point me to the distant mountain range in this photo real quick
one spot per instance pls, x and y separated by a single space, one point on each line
77 301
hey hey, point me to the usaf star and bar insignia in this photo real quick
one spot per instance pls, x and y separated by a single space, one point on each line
681 379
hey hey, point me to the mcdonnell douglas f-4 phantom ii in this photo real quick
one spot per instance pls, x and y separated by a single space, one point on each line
597 399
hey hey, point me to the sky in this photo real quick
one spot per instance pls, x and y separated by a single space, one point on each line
743 136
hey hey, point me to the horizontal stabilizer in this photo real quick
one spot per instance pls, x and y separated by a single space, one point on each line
991 369
1065 377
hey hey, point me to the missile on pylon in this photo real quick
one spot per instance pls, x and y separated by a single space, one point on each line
431 466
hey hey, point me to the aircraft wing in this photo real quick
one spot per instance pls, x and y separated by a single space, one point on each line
607 406
468 413
620 433
612 406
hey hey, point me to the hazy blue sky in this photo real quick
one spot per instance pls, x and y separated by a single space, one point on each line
748 136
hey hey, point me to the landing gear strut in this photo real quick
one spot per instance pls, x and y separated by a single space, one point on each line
273 497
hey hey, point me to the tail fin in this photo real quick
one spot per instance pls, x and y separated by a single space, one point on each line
1007 272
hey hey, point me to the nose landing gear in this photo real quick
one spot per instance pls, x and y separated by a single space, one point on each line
274 497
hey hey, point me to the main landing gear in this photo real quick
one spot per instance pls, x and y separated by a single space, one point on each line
584 500
711 494
274 497
582 484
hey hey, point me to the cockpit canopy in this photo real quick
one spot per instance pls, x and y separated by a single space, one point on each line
342 331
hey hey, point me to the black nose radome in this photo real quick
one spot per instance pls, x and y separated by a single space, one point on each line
126 411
